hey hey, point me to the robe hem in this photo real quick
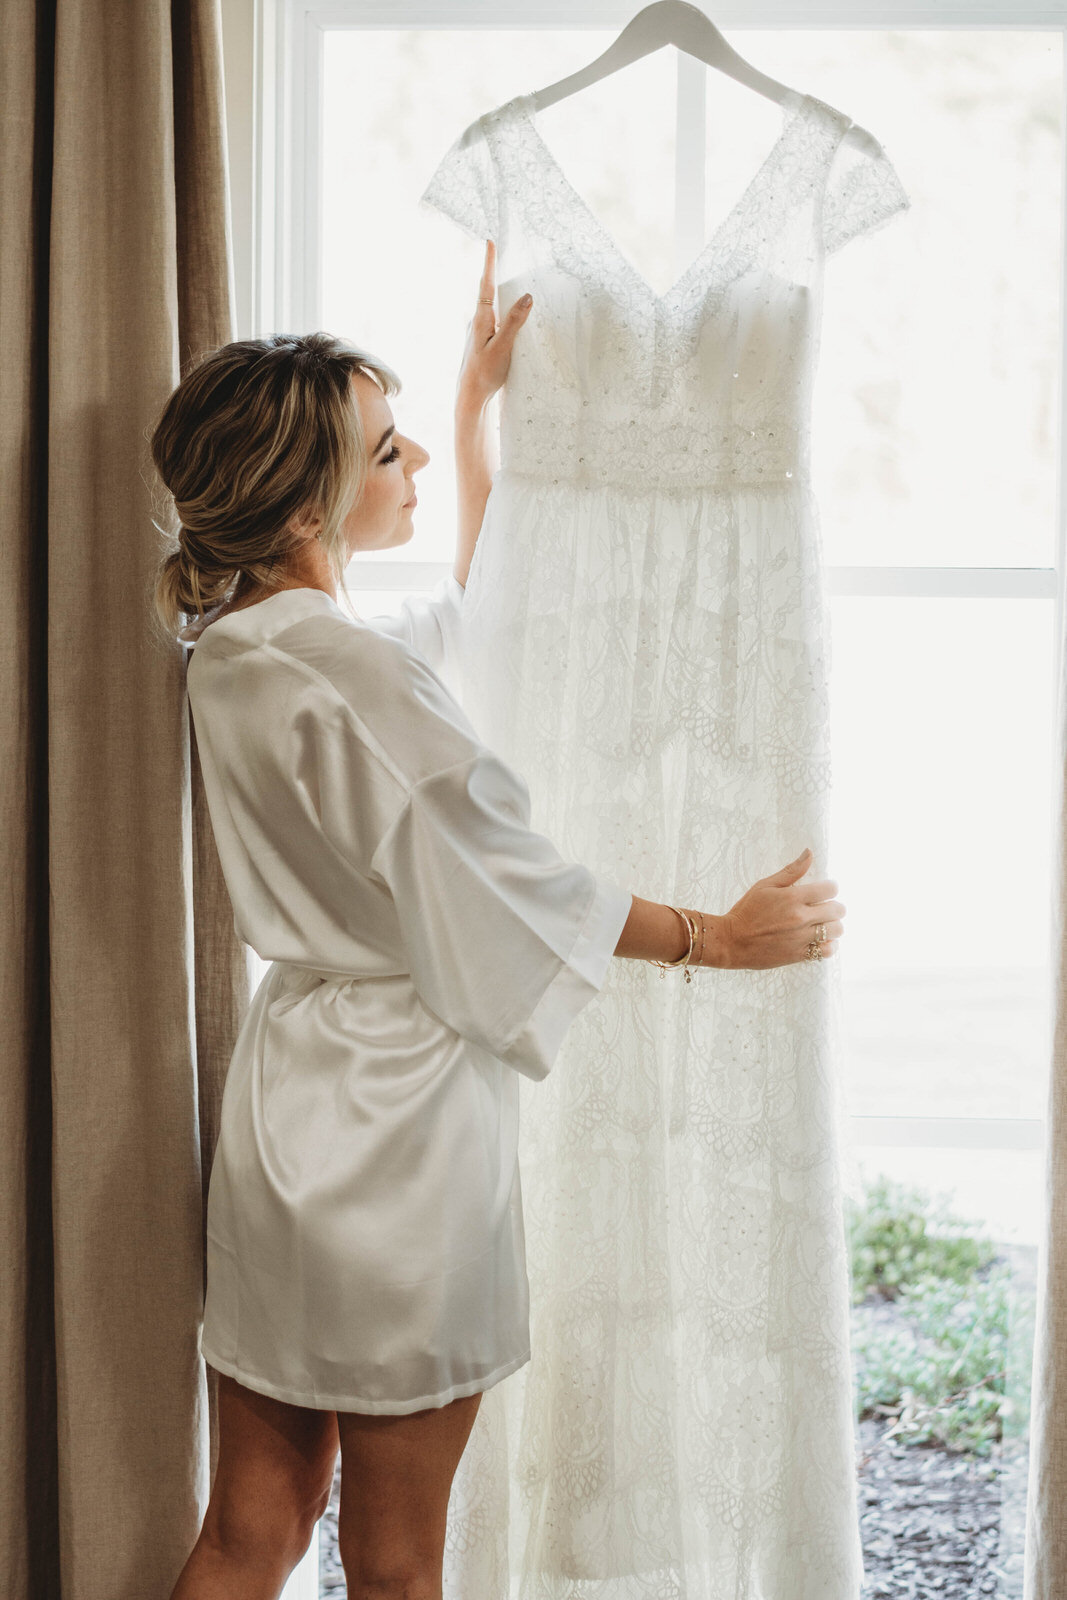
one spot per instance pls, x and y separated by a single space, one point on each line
344 1402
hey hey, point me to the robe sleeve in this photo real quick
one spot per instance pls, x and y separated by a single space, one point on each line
463 186
506 940
863 191
429 623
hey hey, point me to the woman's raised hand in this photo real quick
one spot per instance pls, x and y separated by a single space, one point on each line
774 922
487 352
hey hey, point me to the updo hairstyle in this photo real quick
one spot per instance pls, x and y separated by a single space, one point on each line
258 432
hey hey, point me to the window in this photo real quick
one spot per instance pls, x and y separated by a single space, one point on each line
937 445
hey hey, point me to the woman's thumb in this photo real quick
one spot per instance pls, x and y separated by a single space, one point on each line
795 869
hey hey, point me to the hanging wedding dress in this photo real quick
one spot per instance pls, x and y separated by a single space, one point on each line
645 639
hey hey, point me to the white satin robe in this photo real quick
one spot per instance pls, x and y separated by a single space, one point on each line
365 1247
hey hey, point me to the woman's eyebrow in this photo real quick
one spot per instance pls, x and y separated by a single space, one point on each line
383 438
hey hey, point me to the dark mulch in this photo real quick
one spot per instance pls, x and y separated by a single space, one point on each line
930 1519
938 1524
930 1522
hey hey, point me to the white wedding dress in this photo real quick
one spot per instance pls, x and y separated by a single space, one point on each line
645 639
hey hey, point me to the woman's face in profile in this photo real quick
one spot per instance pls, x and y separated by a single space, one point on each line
383 514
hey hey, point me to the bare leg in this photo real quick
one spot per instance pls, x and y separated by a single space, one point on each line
272 1484
396 1477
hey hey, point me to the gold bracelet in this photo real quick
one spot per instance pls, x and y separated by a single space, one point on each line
684 960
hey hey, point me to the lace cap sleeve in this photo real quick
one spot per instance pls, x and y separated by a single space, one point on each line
863 190
463 185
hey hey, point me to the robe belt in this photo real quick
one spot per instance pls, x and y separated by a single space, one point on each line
294 974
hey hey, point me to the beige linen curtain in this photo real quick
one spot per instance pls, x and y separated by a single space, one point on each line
122 979
1045 1561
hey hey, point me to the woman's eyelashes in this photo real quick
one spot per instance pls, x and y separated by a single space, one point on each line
392 456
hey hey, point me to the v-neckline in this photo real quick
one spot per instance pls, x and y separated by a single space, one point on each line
791 106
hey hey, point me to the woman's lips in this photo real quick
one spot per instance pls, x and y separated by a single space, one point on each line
412 502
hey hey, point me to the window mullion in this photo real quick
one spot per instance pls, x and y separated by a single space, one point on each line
997 583
945 583
949 1133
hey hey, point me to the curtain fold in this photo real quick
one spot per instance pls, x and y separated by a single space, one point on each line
122 977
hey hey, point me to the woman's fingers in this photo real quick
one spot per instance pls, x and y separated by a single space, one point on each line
827 911
487 351
515 318
818 905
487 287
485 310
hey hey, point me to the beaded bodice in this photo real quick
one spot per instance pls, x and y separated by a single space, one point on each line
706 385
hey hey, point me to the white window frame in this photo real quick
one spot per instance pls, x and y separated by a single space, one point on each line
286 210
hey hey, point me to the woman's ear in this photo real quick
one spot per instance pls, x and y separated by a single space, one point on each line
302 526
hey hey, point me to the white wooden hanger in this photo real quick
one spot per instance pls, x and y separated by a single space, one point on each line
686 26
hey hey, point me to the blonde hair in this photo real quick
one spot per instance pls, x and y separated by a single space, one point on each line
259 432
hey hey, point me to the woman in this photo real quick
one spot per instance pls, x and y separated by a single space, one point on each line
366 1272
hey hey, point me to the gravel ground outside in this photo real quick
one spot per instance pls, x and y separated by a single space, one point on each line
930 1523
935 1524
930 1520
